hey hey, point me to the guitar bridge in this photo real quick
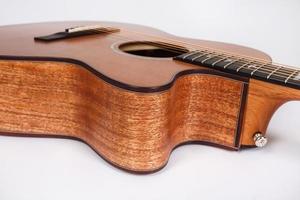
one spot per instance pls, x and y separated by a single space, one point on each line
77 32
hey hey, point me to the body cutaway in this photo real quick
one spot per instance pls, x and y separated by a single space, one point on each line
130 108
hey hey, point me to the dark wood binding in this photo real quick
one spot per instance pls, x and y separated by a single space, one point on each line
135 131
132 110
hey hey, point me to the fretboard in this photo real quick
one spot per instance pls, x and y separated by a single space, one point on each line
244 66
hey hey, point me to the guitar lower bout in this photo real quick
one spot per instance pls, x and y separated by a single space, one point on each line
134 93
133 130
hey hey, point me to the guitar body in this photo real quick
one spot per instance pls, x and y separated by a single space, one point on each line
131 109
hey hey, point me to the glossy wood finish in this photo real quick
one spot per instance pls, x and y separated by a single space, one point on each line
100 51
132 110
134 131
263 100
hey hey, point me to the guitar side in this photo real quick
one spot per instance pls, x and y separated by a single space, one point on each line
134 131
134 125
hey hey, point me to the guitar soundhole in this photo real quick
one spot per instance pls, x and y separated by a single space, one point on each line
152 49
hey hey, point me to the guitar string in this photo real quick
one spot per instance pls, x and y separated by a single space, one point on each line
172 46
175 48
285 75
179 50
217 50
225 53
266 65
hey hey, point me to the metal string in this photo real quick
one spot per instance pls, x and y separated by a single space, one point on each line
178 49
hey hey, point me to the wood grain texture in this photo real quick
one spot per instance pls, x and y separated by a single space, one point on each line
135 131
262 101
101 51
132 110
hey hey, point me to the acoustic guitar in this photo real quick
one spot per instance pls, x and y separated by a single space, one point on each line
134 93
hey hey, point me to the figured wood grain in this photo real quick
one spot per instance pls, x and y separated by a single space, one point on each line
132 110
135 131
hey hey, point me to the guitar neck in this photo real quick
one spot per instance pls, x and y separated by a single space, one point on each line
244 66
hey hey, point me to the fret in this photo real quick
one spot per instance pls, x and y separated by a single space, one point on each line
247 63
286 69
290 76
220 60
203 55
232 66
293 79
244 67
297 77
189 54
273 72
208 62
265 70
208 57
261 66
258 70
252 66
252 69
233 61
281 74
199 56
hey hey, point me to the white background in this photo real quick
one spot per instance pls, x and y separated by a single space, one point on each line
38 169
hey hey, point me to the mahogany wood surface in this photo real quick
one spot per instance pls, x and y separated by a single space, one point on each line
135 131
263 100
101 53
131 110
